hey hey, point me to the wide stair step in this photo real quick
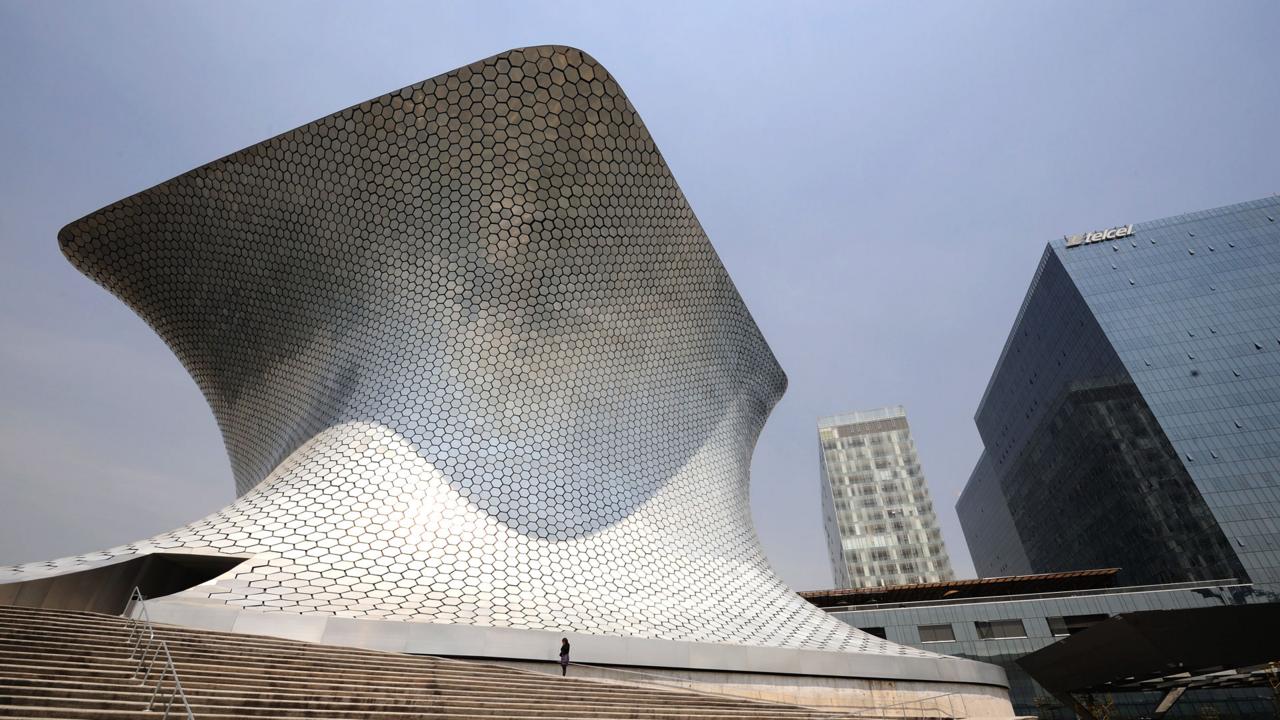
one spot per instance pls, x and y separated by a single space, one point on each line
76 665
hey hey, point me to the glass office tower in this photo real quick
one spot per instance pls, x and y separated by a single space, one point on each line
880 524
1133 418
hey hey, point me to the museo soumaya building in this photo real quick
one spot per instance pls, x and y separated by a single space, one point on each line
1133 418
483 382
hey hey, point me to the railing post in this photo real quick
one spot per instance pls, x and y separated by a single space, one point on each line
140 624
151 647
159 682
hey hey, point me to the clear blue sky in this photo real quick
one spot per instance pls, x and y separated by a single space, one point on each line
879 178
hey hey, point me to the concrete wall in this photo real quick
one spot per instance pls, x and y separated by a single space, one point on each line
935 687
882 698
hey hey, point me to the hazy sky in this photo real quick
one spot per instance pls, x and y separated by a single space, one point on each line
879 178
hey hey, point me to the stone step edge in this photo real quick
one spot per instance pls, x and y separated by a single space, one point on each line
42 681
125 694
343 709
467 666
205 676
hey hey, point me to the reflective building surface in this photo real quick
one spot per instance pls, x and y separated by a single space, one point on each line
1133 418
474 361
879 520
482 380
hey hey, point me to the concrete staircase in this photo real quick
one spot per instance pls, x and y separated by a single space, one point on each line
75 665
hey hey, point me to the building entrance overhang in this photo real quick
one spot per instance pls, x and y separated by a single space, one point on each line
1166 651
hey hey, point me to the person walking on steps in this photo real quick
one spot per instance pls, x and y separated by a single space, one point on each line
564 656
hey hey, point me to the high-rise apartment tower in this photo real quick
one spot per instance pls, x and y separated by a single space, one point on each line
879 518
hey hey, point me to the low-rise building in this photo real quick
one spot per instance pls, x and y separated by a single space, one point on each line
1000 620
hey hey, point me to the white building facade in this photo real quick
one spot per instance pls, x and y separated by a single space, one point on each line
879 519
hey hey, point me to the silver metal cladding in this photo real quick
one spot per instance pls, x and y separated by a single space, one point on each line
474 361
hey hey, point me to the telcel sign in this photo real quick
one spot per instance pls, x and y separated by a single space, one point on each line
1099 235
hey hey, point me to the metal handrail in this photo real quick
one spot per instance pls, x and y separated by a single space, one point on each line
147 649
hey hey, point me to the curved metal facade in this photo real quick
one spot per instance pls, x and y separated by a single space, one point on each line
474 361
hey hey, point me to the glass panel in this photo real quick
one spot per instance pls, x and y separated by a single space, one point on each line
937 633
1072 624
999 629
